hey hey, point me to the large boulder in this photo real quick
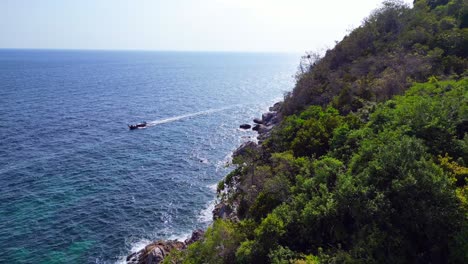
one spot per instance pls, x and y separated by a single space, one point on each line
196 236
275 120
245 126
155 252
222 211
267 117
262 129
245 148
258 121
276 107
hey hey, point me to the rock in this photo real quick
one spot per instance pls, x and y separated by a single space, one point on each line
246 146
276 107
262 129
275 120
267 117
258 121
155 252
196 235
266 129
245 126
262 137
222 211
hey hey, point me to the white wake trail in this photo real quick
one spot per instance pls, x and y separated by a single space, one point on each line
176 118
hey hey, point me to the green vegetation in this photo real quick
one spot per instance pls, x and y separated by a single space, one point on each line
392 189
369 164
393 48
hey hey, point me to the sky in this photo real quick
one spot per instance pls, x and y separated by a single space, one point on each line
180 25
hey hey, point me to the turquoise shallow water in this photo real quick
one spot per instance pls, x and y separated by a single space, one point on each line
78 187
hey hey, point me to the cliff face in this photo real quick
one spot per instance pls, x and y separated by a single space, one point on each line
360 163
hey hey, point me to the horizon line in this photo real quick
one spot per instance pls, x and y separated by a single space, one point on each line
153 50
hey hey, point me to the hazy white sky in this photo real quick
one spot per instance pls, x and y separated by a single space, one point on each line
192 25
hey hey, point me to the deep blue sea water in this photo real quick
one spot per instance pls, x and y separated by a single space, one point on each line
76 186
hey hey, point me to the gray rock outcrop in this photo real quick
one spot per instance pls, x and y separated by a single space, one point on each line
222 211
245 148
155 252
258 121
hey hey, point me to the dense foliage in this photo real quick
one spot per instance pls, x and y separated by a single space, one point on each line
361 168
394 47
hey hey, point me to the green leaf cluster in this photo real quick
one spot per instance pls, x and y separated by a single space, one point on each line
392 189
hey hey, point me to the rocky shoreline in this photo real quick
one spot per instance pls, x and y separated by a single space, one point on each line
156 251
265 124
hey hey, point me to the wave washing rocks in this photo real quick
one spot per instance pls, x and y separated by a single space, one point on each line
265 124
155 252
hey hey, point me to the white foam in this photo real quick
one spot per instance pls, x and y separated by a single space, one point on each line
203 160
213 187
180 237
223 164
180 117
140 245
206 215
135 247
121 260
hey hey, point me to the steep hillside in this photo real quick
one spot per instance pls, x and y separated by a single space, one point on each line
393 48
369 164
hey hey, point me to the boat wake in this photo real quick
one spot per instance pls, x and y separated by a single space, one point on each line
186 116
26 163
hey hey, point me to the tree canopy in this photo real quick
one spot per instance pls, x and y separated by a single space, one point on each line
369 164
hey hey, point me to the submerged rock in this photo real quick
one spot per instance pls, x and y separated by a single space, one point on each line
203 160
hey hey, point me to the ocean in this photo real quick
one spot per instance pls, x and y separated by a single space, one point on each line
77 186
